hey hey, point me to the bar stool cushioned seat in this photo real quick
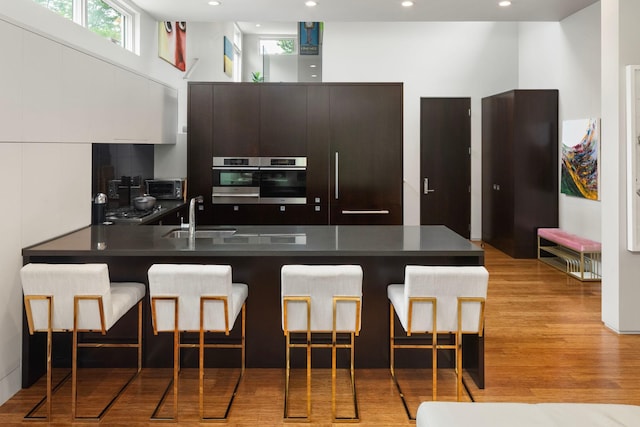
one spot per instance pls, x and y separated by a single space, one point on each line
196 298
438 299
82 292
321 299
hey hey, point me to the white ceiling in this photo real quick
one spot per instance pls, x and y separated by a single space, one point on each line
279 11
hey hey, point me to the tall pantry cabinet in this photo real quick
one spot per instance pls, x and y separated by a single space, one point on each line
519 169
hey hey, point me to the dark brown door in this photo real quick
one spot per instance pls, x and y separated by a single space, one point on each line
445 163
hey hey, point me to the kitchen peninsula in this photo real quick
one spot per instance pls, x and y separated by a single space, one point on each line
256 254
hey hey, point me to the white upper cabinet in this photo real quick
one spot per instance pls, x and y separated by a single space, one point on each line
55 93
74 104
11 82
162 114
131 116
102 101
42 89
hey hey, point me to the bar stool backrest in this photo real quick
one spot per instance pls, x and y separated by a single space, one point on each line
189 282
63 282
321 283
446 284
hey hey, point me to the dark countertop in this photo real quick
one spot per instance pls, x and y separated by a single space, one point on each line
360 240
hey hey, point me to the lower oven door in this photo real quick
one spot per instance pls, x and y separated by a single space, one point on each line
236 185
283 185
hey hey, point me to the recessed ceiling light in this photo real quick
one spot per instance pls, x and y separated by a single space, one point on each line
314 75
311 3
504 3
257 25
312 65
407 3
215 3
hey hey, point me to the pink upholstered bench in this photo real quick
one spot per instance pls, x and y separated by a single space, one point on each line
575 255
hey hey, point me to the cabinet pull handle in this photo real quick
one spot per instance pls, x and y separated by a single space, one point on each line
337 174
236 195
426 187
240 168
366 212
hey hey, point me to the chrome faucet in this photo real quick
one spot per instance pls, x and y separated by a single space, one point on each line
192 215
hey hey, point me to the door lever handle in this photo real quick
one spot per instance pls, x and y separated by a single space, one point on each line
427 190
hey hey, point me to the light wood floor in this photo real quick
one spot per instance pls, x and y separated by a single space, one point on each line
544 342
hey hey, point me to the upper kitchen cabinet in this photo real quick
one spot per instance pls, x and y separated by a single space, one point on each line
162 116
283 120
366 153
11 83
519 169
56 93
236 119
81 97
42 89
199 146
130 116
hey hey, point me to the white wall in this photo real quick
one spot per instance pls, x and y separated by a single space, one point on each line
621 268
50 183
433 59
205 62
251 58
281 68
565 56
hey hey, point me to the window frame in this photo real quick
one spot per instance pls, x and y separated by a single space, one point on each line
277 38
130 20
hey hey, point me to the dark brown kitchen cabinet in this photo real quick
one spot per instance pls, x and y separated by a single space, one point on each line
241 214
200 147
236 120
318 136
250 214
519 169
283 120
350 133
293 214
366 153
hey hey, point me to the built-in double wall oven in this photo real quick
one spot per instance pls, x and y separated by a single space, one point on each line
265 180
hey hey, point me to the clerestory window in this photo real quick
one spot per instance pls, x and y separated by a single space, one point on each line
111 19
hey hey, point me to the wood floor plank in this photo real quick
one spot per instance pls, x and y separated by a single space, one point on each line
544 342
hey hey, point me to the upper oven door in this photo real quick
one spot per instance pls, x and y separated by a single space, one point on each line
283 180
236 180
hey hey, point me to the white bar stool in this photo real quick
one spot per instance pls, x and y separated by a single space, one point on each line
196 298
77 298
321 299
437 300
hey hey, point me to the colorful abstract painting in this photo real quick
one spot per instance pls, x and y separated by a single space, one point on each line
580 153
228 57
172 43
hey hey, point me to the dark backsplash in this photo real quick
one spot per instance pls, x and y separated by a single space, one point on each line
111 161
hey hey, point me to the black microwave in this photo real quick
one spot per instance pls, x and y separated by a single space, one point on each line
165 189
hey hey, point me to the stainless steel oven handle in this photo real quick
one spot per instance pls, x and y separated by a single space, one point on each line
280 168
236 195
366 212
337 174
236 168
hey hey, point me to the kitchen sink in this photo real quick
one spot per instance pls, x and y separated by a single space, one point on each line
200 234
